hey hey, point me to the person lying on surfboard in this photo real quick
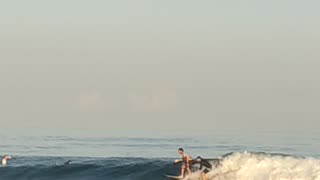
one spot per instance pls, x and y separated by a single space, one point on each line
186 161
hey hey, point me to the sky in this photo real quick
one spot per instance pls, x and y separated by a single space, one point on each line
160 65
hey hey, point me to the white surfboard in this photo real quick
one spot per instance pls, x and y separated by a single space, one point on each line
173 177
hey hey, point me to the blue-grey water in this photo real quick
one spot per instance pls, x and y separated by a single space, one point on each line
99 156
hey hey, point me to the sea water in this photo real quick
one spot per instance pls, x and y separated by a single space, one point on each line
251 154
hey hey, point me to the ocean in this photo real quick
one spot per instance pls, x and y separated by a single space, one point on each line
261 155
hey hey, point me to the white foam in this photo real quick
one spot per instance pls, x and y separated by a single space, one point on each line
258 166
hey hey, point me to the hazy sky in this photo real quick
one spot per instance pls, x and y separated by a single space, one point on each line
160 65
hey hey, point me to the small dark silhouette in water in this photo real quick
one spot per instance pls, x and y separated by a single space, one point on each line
67 163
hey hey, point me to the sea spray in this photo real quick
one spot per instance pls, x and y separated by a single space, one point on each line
263 166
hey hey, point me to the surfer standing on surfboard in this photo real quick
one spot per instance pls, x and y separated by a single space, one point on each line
186 161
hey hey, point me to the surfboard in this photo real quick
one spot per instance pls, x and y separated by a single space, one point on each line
173 177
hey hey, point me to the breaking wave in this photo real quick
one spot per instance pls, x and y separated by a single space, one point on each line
263 166
233 166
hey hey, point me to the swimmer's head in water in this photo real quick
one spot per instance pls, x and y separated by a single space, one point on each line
68 162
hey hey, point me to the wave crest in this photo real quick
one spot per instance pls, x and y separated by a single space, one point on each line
263 166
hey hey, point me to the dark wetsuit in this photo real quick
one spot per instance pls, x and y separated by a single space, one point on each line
205 165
